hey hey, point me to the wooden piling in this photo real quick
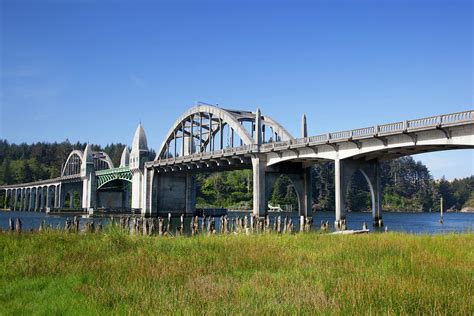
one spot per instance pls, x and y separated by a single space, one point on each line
11 224
18 225
169 226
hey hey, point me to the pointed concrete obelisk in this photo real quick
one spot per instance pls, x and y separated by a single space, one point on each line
304 127
257 136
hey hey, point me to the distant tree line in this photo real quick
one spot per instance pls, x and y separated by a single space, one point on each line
407 184
20 163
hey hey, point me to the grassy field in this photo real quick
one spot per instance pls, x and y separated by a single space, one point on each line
61 273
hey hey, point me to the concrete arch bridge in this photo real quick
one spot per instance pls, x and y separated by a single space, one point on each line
209 138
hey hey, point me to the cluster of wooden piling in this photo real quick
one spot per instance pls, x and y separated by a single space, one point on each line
14 226
210 225
70 225
198 225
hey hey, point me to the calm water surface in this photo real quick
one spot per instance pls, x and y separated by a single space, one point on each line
403 221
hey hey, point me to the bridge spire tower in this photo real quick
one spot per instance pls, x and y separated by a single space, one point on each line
138 157
89 181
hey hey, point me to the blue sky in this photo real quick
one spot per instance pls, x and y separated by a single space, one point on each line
91 70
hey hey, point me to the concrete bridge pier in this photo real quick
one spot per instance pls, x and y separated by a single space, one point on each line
259 165
89 181
344 170
173 193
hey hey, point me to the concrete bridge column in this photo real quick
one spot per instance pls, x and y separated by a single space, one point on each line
31 200
342 175
27 198
6 198
259 165
306 208
377 194
17 193
61 196
35 208
21 200
42 201
47 202
56 196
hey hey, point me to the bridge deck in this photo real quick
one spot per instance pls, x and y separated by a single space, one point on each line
390 129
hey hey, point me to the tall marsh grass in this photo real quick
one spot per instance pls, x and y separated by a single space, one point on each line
111 272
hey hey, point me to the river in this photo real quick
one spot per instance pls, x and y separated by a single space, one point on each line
401 221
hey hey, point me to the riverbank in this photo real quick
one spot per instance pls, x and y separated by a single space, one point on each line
110 272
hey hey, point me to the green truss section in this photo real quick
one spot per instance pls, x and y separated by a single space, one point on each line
107 175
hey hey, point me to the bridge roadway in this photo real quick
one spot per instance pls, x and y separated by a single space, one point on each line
167 184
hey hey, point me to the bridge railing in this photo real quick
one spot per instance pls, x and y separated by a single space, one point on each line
389 128
423 122
363 132
340 135
457 117
112 170
318 138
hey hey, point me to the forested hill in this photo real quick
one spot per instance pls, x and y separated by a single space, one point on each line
407 184
38 161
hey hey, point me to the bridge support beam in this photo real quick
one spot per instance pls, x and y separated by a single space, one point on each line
259 165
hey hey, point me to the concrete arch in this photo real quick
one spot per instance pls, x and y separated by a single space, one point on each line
268 121
225 115
73 153
114 178
103 156
371 189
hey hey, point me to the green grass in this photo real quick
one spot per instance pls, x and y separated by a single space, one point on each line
60 273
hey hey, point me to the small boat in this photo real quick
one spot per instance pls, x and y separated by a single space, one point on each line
351 232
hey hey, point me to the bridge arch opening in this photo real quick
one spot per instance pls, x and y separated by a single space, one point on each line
73 163
284 196
115 195
360 195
